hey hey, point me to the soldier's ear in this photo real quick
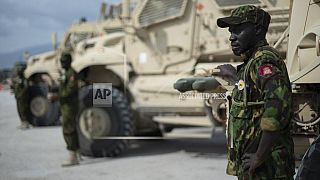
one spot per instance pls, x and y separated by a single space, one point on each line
260 31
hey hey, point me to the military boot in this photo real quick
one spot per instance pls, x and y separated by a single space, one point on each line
79 156
73 159
24 125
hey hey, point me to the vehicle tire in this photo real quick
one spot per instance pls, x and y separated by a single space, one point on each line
309 167
42 111
98 122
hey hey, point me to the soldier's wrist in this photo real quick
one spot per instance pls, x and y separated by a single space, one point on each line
259 155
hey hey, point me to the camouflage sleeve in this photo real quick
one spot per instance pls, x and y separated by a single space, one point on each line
20 87
25 86
13 85
71 87
272 84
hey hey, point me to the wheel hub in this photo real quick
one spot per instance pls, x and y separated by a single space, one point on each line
95 122
39 106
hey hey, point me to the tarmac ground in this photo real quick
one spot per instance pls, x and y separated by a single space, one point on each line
37 154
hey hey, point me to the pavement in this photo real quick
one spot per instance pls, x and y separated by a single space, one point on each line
37 154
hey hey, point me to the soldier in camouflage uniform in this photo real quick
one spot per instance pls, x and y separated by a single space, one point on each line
259 142
20 89
68 94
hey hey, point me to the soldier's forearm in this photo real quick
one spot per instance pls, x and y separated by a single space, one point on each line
66 94
268 140
68 91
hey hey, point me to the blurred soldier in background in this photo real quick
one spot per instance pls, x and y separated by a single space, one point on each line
68 94
20 89
259 142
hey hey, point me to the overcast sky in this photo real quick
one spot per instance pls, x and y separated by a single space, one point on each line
27 23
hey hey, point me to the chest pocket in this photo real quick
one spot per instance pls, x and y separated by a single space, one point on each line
241 106
238 110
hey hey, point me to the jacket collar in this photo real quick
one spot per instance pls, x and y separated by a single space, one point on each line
247 55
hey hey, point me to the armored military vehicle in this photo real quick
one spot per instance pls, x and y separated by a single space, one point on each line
43 70
162 41
303 66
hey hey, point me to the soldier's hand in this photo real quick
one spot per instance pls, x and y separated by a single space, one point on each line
52 97
226 70
251 162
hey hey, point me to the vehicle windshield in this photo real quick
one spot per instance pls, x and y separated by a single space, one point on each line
76 37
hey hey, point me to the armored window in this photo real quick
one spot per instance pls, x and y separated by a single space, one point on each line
224 3
132 6
75 38
113 30
155 11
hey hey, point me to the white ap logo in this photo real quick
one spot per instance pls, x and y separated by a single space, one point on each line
102 94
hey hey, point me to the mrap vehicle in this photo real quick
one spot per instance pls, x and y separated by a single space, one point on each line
162 41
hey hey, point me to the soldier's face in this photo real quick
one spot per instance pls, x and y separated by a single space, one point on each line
66 64
242 38
20 71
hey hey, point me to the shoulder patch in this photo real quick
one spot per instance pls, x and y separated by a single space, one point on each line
265 70
71 78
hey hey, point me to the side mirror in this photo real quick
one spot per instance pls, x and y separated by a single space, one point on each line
54 40
125 13
26 55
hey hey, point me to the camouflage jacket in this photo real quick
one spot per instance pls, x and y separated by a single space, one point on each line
20 87
68 91
261 101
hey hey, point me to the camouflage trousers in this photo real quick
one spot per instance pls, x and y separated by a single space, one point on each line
257 177
23 109
69 126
